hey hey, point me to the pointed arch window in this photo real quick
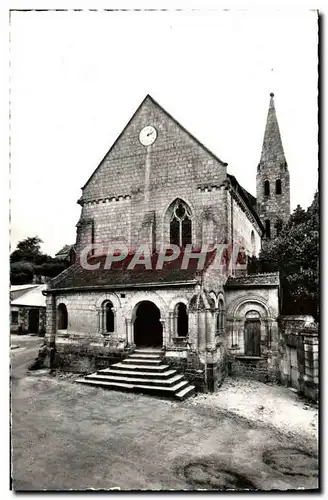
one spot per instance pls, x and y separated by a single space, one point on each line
220 318
180 224
266 188
267 229
253 243
278 186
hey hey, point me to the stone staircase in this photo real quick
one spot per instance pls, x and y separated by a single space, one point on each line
145 372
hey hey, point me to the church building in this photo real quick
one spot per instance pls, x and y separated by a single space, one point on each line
156 262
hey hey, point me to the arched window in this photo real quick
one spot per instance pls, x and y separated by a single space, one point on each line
108 317
253 243
62 318
267 229
266 188
181 320
180 224
278 186
220 318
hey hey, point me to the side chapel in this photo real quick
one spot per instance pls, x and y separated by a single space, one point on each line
158 185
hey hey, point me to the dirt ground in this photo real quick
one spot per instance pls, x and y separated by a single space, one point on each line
69 436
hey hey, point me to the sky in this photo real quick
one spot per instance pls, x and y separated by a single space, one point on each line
76 78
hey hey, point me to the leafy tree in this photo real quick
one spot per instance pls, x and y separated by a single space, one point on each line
295 253
21 273
28 263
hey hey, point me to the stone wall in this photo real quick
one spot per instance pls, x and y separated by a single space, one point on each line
299 354
240 228
253 299
22 326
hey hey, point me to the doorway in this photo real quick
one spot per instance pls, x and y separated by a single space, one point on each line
252 337
33 321
148 330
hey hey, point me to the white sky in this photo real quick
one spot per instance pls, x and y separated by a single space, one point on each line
77 78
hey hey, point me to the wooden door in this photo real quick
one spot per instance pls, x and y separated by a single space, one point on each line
252 337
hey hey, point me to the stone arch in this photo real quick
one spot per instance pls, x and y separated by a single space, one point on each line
147 324
250 339
176 300
245 304
143 296
111 297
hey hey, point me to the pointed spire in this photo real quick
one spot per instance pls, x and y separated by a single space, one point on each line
272 149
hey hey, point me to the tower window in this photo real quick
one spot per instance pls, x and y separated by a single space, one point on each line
266 188
253 243
278 186
267 229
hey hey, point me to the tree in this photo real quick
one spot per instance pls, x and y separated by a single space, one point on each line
21 273
28 250
295 254
28 263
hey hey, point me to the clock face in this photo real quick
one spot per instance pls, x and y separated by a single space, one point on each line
147 135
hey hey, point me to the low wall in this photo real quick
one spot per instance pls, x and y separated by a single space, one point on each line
299 354
74 356
206 371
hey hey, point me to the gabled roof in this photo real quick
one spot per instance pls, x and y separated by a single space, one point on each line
148 97
16 288
32 297
64 252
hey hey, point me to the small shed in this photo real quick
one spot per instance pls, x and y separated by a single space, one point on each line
27 309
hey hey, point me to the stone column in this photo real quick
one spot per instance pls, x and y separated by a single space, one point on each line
171 326
201 330
210 329
164 332
53 319
128 325
99 318
311 364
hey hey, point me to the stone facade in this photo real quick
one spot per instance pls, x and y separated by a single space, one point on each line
93 317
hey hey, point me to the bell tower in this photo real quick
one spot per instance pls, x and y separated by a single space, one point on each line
272 179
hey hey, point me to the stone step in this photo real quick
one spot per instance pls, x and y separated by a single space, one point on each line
147 351
185 392
137 373
140 361
171 391
143 355
136 381
129 366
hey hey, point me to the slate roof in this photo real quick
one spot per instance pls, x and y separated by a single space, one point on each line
254 280
119 276
64 252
